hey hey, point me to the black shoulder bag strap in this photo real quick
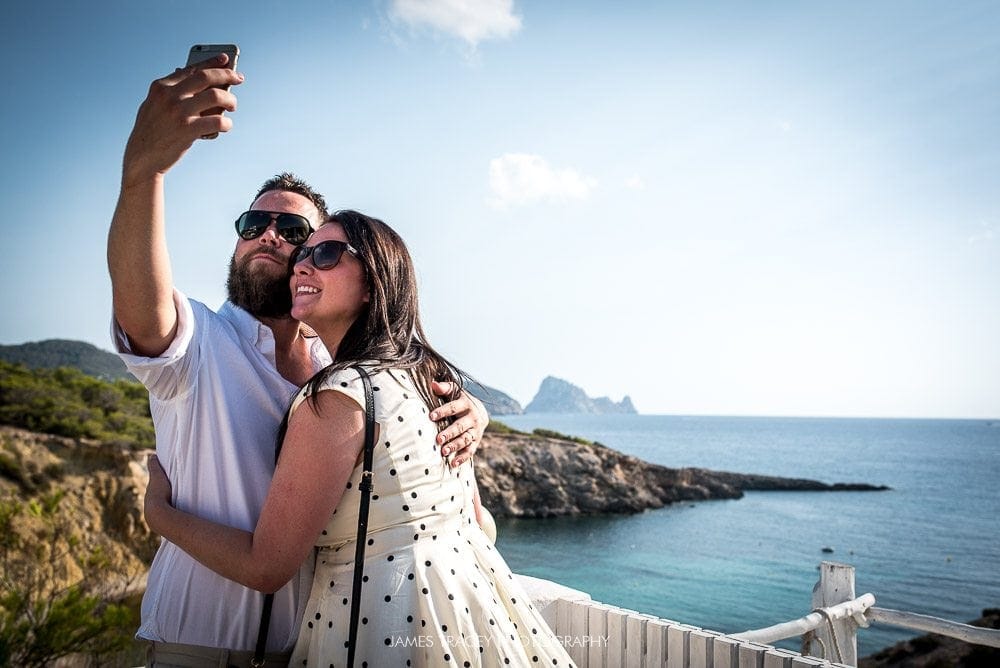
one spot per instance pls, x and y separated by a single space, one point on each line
359 554
366 493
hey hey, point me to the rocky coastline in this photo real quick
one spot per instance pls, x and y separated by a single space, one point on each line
527 475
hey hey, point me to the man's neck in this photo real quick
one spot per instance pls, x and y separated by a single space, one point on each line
292 354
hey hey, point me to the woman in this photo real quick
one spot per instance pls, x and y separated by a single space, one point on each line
436 592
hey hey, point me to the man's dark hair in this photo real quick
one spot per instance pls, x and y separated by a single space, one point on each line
293 184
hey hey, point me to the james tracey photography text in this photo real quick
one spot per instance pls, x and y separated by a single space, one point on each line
475 640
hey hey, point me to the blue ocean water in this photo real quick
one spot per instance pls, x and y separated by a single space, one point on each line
931 545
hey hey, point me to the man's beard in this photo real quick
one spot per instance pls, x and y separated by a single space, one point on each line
261 295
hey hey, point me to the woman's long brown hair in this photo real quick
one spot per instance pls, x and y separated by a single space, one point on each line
388 331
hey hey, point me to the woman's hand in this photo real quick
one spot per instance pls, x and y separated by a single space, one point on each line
158 493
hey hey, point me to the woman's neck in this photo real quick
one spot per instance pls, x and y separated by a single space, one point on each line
292 352
332 335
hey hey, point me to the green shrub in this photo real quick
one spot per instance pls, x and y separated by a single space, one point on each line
549 433
66 402
497 427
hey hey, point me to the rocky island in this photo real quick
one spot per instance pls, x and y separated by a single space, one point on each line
559 396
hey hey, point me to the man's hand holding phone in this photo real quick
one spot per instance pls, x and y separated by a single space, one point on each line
180 108
207 52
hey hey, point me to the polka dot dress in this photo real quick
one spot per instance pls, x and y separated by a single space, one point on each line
436 592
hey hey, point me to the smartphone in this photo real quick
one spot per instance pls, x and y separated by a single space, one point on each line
203 52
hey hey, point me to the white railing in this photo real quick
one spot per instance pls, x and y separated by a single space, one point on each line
812 621
837 615
597 635
945 627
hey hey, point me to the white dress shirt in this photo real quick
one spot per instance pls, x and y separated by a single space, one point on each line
217 399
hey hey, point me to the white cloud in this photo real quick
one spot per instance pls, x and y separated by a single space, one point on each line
635 182
470 20
522 178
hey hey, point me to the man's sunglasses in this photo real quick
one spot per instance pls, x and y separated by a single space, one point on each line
325 255
293 228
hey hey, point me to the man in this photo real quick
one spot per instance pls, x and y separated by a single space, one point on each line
219 383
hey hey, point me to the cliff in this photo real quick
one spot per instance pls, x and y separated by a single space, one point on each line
527 475
559 396
496 402
100 488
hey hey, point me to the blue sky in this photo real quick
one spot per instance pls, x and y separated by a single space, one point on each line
737 208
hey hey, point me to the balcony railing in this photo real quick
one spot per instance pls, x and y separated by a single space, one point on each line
597 635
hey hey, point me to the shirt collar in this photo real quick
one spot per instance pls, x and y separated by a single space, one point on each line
249 327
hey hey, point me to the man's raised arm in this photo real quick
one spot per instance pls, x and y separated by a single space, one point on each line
168 123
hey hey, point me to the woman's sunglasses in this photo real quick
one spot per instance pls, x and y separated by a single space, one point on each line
325 255
293 228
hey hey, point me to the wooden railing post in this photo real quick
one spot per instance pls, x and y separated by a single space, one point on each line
836 585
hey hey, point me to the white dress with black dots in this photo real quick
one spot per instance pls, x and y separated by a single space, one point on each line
436 592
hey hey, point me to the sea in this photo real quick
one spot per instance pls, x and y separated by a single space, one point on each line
930 545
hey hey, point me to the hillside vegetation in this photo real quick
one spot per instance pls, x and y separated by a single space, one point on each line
67 402
54 353
73 545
